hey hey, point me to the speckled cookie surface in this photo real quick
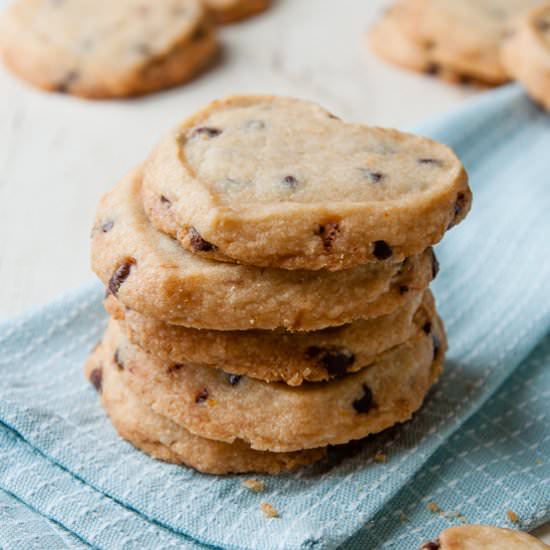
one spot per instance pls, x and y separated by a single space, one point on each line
275 356
526 53
228 11
388 40
273 181
152 274
484 537
462 36
165 440
102 49
282 418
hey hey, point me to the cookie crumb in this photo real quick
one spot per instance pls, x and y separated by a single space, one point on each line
380 457
433 507
512 516
254 485
403 518
268 510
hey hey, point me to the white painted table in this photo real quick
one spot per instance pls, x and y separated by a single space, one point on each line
59 154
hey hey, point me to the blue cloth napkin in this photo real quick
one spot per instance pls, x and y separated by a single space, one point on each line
67 480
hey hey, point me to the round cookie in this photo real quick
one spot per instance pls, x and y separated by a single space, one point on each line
484 537
463 36
165 440
228 11
282 418
272 181
275 356
526 53
152 274
105 49
388 40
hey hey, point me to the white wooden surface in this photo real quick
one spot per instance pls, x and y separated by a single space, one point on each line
59 154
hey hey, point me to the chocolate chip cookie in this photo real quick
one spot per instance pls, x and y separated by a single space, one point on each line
152 274
272 181
526 53
463 37
279 355
105 49
165 440
483 537
278 417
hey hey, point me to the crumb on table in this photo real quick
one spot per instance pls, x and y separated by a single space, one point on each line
255 485
512 516
380 457
268 510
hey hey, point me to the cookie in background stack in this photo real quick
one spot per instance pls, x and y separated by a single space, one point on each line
267 272
526 53
105 49
458 41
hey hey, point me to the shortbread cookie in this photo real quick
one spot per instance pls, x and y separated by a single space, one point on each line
462 36
152 274
526 53
228 11
484 537
104 49
275 356
282 418
273 181
388 40
165 440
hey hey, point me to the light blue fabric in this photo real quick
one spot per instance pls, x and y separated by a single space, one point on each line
60 456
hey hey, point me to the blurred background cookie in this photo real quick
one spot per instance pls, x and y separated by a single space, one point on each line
102 49
526 53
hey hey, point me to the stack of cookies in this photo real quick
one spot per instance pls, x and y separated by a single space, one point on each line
267 273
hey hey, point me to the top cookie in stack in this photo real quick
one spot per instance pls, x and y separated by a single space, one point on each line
266 267
279 182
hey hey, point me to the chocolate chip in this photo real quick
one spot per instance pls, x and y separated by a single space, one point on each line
165 201
120 275
382 250
233 379
254 124
435 265
70 78
175 367
199 34
201 396
427 327
335 361
96 378
542 25
432 68
429 160
107 226
365 403
143 49
198 243
431 545
460 203
118 360
334 117
403 289
429 44
373 177
436 344
290 181
206 131
328 233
